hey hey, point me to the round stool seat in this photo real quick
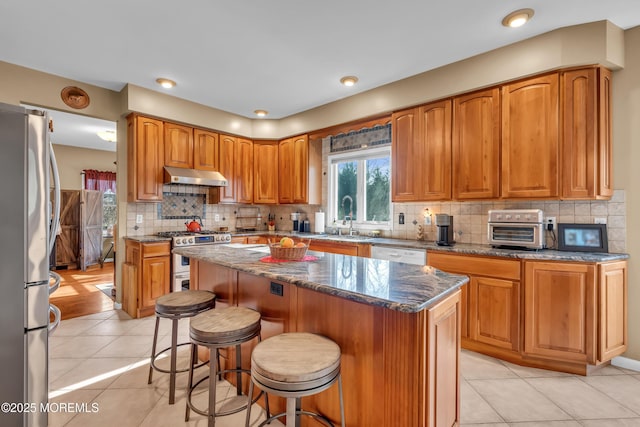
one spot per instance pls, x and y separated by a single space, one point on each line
224 325
185 302
294 365
295 361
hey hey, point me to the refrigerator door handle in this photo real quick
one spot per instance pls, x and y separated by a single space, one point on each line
56 318
55 223
56 284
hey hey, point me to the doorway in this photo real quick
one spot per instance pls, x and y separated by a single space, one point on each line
81 251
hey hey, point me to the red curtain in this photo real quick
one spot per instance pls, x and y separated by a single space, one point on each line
99 180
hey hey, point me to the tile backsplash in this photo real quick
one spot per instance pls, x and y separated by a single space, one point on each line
470 218
185 201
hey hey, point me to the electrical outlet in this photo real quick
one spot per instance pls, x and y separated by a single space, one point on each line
216 218
600 220
139 219
550 220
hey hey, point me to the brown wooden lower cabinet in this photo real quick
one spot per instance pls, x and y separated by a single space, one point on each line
565 316
399 369
146 276
344 248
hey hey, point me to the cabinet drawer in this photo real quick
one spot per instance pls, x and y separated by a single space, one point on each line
479 266
156 249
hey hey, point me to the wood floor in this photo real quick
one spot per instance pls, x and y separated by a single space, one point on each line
78 295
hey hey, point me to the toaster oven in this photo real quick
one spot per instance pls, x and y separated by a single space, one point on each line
517 228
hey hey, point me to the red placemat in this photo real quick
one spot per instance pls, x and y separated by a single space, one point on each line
271 259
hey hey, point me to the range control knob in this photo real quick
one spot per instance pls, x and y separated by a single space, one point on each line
227 237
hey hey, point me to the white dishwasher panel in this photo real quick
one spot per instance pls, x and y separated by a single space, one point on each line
409 256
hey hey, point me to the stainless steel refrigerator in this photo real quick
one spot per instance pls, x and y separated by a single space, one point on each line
28 226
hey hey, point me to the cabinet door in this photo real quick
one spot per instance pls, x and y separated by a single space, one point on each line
285 171
494 317
559 311
605 142
612 324
244 171
227 168
146 159
586 134
156 279
579 133
265 176
300 178
435 131
406 182
205 150
476 145
334 247
178 145
530 150
293 170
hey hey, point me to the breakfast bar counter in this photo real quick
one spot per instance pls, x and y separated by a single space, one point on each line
398 326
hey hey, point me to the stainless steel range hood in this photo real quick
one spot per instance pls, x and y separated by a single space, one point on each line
174 175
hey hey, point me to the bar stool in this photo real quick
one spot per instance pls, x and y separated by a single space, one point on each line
176 306
216 329
294 365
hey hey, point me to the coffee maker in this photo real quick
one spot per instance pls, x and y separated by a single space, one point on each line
295 217
444 225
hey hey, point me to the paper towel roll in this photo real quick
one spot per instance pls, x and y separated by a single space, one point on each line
319 223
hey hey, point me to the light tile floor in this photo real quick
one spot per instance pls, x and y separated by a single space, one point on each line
103 360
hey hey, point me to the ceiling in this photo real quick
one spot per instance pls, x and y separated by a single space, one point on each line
284 56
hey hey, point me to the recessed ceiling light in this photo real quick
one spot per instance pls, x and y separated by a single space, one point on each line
165 83
349 80
261 113
517 18
107 135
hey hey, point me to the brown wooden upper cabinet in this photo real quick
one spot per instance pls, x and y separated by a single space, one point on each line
236 165
145 151
421 153
476 145
586 138
530 138
206 153
178 145
265 172
293 170
191 148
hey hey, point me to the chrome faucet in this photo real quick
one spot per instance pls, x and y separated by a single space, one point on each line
350 216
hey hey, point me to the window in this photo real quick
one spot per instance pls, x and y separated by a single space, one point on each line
359 184
109 212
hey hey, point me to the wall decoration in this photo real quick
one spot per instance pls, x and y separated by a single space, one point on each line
75 97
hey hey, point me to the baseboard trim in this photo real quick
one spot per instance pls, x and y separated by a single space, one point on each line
626 363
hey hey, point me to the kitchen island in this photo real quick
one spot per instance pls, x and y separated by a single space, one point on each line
398 326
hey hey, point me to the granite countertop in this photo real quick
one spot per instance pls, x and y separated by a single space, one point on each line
397 286
459 248
147 239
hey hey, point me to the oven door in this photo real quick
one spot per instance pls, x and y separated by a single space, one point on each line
180 264
180 282
517 235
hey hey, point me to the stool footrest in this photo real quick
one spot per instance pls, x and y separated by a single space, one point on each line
168 371
322 418
222 413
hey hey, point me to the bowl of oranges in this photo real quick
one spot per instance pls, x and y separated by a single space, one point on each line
288 249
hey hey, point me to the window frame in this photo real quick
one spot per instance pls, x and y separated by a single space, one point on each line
360 156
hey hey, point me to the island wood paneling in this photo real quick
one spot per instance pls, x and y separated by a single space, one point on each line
399 369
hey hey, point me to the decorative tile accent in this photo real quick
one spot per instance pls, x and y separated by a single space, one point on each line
181 206
377 135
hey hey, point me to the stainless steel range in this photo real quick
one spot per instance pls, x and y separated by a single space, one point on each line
179 264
